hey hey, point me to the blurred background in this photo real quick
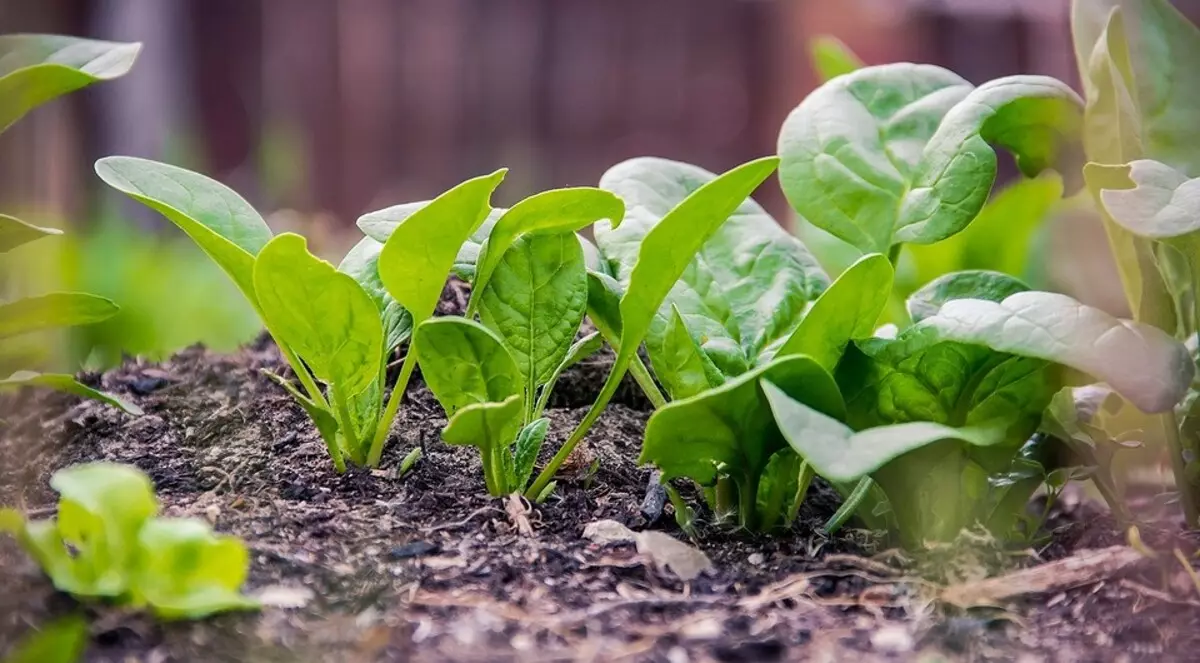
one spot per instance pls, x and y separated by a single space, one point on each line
320 110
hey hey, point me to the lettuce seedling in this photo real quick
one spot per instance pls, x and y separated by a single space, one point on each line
335 326
938 415
108 543
530 289
35 69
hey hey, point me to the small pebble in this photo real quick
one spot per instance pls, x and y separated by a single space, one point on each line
892 639
756 559
414 549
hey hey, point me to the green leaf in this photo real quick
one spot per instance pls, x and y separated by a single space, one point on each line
580 350
491 428
15 232
840 454
730 431
551 212
1002 238
849 177
67 384
846 311
974 284
380 225
465 363
184 570
903 153
744 288
1161 203
1163 46
778 488
535 299
418 256
323 314
220 221
529 443
362 264
1146 366
604 304
58 309
679 362
61 641
35 69
832 58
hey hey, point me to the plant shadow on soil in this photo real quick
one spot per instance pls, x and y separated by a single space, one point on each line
427 567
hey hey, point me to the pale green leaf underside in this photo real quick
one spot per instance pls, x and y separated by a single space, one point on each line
535 299
1142 363
220 221
15 232
1162 204
419 254
37 68
732 424
744 290
325 316
67 384
58 309
840 454
465 363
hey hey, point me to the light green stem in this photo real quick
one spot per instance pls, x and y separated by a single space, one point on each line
345 423
646 382
301 371
1181 450
393 406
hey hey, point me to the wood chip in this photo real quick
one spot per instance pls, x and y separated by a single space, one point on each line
1086 566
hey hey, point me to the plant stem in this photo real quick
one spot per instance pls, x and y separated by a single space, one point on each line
642 376
805 480
302 373
346 424
1182 454
894 253
393 406
747 490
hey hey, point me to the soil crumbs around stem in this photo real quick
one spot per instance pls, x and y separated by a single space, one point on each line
427 568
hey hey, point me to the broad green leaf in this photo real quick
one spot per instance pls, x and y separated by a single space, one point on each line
840 454
362 264
1163 47
849 150
778 488
904 153
465 363
974 284
185 570
15 232
1002 238
529 443
535 299
832 58
1036 118
380 225
490 427
37 68
220 221
321 313
555 212
680 364
743 290
67 384
58 309
419 254
61 641
604 305
1143 364
729 430
101 508
848 310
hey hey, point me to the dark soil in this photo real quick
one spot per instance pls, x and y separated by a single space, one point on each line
426 567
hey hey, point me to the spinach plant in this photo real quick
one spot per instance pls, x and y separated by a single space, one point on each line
107 543
938 414
750 300
1144 151
35 69
529 286
335 326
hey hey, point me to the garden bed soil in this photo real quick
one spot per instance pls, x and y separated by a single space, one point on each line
428 568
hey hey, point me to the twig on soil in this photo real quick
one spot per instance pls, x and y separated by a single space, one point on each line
463 522
1084 567
518 510
1155 594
